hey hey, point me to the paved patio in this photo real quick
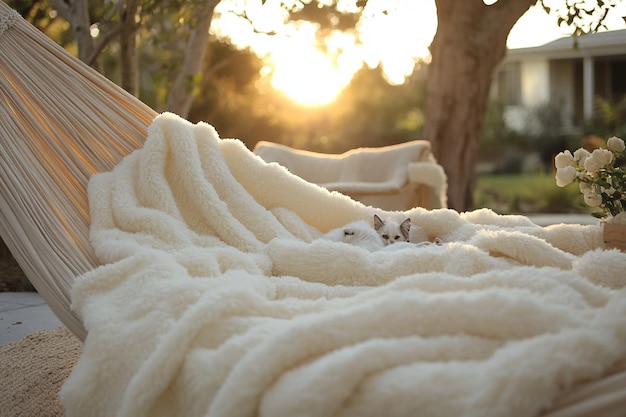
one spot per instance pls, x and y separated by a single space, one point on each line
22 313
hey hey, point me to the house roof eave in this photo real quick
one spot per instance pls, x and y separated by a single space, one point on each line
608 43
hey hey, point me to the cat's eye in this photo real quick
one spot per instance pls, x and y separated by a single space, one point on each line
397 237
348 232
385 236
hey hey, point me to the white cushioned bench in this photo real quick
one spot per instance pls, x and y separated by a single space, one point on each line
396 177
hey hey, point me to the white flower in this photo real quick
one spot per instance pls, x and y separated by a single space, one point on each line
564 159
592 199
602 184
580 155
565 176
615 144
598 159
585 187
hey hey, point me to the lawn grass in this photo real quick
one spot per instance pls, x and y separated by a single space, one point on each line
527 193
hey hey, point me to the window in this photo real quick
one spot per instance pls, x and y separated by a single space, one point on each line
509 84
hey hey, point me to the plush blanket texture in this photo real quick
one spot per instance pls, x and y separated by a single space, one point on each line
216 298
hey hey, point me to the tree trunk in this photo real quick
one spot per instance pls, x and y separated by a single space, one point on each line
469 43
181 95
129 63
77 14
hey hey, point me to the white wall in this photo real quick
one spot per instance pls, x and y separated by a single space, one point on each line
535 76
543 83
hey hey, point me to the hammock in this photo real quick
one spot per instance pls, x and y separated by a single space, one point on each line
61 122
215 295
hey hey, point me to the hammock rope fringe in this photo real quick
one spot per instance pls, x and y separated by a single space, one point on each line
61 122
8 20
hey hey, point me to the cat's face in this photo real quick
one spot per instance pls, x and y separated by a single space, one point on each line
392 232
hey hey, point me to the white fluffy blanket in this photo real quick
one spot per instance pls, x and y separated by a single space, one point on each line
216 299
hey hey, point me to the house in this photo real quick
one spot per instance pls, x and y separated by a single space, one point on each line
566 75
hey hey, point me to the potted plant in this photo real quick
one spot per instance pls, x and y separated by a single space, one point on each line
602 183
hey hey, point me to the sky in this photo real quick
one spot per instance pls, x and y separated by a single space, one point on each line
292 54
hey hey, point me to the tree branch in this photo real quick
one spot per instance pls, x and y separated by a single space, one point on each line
76 13
103 42
508 12
244 15
181 96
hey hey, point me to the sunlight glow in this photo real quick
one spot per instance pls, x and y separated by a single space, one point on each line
396 34
389 37
306 75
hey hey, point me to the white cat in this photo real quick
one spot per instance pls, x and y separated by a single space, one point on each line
391 231
359 233
388 235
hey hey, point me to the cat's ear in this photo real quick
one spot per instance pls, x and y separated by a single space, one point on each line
405 226
378 222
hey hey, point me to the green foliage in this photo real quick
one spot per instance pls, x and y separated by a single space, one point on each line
495 130
371 112
329 16
609 118
526 193
541 134
581 16
38 13
163 27
41 15
231 97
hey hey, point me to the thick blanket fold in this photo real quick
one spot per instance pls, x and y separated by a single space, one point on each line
216 297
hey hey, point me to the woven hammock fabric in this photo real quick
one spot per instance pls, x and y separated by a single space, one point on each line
61 122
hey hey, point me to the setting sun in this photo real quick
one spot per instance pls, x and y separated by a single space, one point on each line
314 74
306 75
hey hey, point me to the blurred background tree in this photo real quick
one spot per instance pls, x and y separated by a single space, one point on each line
469 44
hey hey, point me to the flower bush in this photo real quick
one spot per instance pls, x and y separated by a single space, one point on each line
601 181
